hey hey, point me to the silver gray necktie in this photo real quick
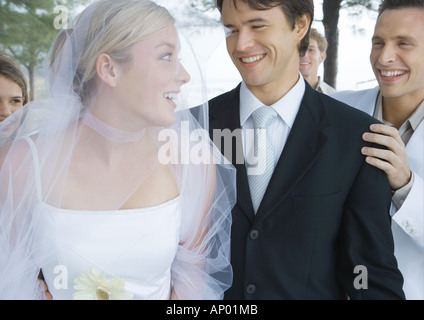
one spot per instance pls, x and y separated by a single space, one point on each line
260 164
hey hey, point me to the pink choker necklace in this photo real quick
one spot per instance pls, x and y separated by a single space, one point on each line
109 132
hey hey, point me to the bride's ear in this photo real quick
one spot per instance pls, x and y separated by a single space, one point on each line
107 69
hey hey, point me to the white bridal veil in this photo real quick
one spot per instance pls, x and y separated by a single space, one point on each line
90 152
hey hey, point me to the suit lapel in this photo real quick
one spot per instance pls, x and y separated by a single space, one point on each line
414 149
225 114
366 102
302 148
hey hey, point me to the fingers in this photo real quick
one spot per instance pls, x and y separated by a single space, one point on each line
389 142
378 161
384 135
382 159
393 160
387 155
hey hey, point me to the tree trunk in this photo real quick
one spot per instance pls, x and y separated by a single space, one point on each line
31 76
331 10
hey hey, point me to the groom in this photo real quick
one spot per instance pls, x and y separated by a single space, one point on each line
322 229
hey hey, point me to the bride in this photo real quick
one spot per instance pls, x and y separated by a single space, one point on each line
94 196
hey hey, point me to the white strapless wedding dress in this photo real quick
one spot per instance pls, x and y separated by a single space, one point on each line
137 245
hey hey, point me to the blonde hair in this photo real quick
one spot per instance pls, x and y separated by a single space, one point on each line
114 26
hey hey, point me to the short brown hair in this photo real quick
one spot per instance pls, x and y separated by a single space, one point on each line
293 10
399 4
320 39
12 71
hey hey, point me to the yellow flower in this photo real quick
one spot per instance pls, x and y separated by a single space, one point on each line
95 286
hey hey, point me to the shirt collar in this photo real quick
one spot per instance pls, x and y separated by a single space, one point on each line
320 85
320 82
418 116
287 107
414 120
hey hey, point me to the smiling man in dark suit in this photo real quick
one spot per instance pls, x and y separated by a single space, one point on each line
321 230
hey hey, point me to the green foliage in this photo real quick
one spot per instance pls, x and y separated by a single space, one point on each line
27 29
24 32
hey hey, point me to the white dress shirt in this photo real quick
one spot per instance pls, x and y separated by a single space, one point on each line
279 129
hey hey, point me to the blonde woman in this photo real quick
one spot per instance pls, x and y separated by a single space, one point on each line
101 202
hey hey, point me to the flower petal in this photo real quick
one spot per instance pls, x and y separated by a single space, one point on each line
117 283
91 286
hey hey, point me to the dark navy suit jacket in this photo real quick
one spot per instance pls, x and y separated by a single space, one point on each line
323 229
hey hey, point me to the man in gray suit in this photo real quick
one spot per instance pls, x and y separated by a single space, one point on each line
398 101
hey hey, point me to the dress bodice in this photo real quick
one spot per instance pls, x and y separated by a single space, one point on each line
137 245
